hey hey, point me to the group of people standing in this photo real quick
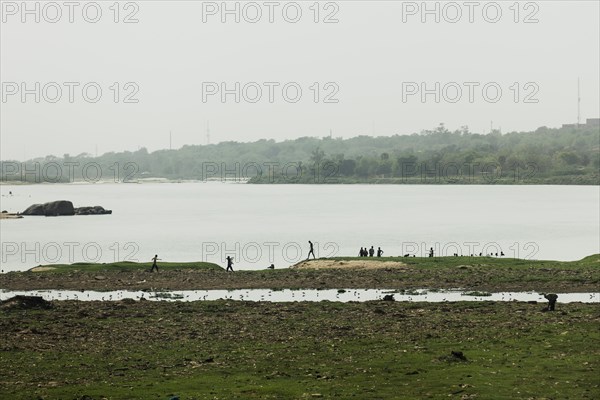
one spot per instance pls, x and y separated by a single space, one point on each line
370 252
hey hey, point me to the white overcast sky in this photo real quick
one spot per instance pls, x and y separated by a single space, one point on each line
370 54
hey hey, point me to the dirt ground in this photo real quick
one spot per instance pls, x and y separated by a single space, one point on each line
10 216
326 275
349 264
250 350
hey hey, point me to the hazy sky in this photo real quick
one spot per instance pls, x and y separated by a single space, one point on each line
374 61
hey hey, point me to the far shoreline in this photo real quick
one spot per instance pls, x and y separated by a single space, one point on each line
372 182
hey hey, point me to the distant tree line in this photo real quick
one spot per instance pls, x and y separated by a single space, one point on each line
545 156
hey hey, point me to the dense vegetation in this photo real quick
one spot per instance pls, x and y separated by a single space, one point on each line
549 156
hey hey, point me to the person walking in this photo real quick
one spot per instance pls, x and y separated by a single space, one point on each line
311 251
229 264
154 265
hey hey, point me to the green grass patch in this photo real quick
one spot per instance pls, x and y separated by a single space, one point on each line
229 349
467 263
483 274
124 266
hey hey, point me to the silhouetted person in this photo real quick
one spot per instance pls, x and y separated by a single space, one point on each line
371 252
361 252
154 265
407 255
272 266
551 300
229 263
501 254
431 252
311 251
379 252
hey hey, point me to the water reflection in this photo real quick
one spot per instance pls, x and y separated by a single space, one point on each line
313 295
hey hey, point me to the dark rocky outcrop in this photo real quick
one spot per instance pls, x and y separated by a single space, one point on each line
36 209
53 208
455 356
63 207
25 303
96 210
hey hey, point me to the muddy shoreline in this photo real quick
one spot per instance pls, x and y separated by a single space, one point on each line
463 277
229 349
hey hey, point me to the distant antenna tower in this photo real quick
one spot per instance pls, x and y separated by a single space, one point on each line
96 151
170 140
330 133
491 126
207 132
578 103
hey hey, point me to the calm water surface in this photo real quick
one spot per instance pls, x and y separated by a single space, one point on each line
263 224
287 295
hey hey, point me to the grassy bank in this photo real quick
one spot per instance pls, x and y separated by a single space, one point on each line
496 262
376 350
124 266
473 273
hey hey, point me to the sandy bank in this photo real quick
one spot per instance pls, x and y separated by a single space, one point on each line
367 263
10 216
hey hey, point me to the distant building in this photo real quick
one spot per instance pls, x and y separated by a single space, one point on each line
589 123
592 122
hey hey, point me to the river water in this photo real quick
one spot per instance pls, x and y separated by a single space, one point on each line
263 224
312 295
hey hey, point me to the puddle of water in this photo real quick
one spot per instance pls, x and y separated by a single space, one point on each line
287 295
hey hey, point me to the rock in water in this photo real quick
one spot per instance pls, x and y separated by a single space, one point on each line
36 209
53 208
96 210
63 207
60 207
